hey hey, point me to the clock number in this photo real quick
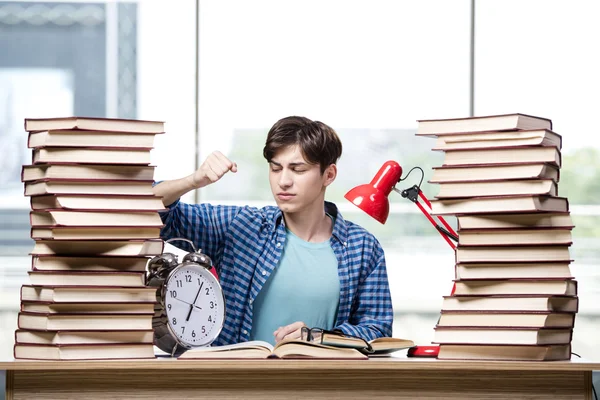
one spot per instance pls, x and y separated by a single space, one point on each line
174 321
212 305
209 318
203 329
193 333
182 329
188 278
207 291
199 283
173 293
169 307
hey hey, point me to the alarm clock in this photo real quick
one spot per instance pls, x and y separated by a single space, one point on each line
190 306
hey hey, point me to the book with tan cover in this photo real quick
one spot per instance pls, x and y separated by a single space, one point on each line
509 270
78 202
462 173
88 308
517 254
150 247
96 187
507 204
536 187
57 322
505 352
23 336
87 263
284 349
83 351
51 218
87 293
515 237
513 155
503 318
95 232
87 172
484 140
495 335
90 155
512 221
566 287
81 278
94 124
501 122
523 303
82 138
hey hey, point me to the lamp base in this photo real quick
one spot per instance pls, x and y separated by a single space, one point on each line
424 351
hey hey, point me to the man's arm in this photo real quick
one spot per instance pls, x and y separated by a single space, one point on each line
212 169
372 314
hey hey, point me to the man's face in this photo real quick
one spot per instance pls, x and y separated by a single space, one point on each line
296 184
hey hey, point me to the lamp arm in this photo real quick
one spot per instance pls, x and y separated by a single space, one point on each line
413 194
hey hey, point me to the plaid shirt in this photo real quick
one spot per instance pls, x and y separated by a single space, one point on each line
246 244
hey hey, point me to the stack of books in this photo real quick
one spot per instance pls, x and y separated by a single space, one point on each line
95 221
514 296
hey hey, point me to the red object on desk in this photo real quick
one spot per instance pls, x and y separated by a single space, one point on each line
423 351
372 198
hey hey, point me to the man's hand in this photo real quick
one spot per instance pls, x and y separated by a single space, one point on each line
291 331
212 169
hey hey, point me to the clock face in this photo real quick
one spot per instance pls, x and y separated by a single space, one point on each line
194 305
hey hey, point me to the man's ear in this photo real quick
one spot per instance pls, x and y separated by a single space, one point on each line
329 175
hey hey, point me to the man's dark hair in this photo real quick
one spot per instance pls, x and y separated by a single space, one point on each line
318 142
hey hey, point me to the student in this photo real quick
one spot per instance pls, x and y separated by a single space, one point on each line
298 264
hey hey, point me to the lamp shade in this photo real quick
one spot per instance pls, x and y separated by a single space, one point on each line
372 197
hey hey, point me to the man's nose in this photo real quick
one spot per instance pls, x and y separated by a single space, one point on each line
285 178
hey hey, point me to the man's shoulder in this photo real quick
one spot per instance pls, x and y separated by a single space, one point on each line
357 232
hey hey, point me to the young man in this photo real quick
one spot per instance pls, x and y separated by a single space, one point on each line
294 265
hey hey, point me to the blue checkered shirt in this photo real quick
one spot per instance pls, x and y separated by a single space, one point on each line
246 244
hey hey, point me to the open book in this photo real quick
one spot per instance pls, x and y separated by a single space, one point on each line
379 346
257 349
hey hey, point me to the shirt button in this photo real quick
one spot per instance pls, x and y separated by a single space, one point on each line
245 332
264 272
278 244
345 244
251 301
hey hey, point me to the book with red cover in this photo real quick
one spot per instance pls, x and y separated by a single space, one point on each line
484 123
90 155
505 352
88 263
89 294
80 202
83 351
151 247
499 204
52 218
97 187
94 124
80 278
87 172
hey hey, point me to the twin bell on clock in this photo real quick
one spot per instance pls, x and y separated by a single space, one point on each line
190 308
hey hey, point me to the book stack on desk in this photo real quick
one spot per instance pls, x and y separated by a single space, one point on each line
95 222
514 296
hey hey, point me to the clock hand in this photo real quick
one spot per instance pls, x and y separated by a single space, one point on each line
194 303
185 302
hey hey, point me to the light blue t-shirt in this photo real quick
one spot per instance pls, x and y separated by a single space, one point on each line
304 287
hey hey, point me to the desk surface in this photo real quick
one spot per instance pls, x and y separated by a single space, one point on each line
374 364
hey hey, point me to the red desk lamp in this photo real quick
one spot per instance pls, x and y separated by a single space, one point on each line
372 198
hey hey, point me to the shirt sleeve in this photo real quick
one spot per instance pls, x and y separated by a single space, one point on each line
372 314
204 224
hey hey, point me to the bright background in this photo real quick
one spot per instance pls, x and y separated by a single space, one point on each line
370 69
